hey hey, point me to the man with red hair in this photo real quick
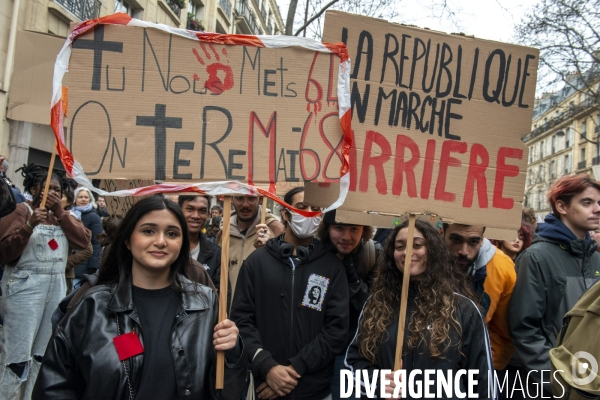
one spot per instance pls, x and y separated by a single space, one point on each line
553 273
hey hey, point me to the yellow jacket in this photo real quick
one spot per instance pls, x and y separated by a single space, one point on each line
499 285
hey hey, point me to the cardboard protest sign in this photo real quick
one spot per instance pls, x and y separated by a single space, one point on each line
147 103
121 204
437 122
31 82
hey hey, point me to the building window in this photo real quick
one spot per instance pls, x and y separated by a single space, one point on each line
567 164
569 137
553 169
124 7
554 144
531 150
540 198
128 8
542 149
196 10
582 155
583 129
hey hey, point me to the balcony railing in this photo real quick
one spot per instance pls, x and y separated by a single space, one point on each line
242 10
226 7
581 164
82 9
571 112
175 6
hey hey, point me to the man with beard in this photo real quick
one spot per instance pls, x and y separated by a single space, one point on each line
246 233
208 254
493 277
553 273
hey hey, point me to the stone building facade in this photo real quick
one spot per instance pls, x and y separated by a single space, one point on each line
26 141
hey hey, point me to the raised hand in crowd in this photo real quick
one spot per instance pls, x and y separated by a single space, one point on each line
263 236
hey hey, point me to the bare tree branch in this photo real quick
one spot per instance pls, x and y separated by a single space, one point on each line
289 22
317 15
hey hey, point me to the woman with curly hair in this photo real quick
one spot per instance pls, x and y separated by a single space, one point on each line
445 329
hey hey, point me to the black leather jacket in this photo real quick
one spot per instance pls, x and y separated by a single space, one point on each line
81 361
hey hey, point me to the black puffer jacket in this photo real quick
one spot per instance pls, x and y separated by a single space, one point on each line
81 361
360 278
277 309
92 221
552 275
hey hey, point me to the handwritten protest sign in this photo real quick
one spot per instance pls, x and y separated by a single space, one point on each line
121 204
148 104
437 122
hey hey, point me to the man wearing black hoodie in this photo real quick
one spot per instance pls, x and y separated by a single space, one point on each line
552 274
353 245
291 307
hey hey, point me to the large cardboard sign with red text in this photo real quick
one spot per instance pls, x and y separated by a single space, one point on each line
437 122
150 105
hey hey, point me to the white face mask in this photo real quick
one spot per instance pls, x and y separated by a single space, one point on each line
304 227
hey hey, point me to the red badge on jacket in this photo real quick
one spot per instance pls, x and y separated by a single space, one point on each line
53 244
128 345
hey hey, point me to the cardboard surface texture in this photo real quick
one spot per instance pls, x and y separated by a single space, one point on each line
380 220
120 205
437 122
501 234
31 84
145 104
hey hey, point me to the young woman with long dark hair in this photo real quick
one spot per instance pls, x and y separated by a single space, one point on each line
146 330
444 327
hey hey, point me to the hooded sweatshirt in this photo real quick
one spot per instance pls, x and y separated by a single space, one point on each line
293 312
242 245
552 275
493 276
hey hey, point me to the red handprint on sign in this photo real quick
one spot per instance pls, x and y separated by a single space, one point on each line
214 83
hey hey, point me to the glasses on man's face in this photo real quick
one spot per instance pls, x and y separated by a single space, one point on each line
241 199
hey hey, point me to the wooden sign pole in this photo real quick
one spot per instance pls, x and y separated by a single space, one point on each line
404 297
223 286
49 178
263 214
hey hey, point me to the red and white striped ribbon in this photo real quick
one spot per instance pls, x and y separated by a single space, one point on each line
75 169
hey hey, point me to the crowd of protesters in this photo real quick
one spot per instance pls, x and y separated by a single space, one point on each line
100 306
